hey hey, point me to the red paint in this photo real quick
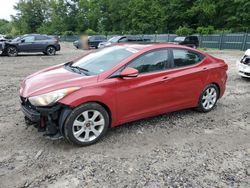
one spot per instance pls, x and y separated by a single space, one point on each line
132 98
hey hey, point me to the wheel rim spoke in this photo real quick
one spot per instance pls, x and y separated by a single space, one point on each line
96 132
98 123
86 136
86 115
79 133
95 115
78 123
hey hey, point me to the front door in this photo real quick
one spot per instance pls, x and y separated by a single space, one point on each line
27 44
146 94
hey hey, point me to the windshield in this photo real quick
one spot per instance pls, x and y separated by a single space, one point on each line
179 39
114 39
103 60
16 39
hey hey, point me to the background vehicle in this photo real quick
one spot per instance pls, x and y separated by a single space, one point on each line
2 38
31 43
93 41
120 84
121 39
244 65
191 41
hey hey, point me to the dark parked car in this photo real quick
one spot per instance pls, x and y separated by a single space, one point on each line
191 41
121 39
31 43
2 38
93 41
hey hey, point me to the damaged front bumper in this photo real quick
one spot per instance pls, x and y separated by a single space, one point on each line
243 68
46 119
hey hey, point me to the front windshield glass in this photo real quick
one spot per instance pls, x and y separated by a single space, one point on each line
105 59
114 39
179 39
16 39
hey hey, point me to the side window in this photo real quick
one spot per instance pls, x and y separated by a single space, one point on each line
187 39
184 58
29 39
125 39
40 37
151 62
91 39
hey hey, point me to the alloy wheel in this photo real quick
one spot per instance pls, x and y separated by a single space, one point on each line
88 126
12 51
51 50
209 98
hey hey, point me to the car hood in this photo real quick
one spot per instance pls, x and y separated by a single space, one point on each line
51 79
105 43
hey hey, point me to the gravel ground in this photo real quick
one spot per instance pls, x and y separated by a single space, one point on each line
179 149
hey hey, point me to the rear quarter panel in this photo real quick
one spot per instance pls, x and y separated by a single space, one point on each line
217 73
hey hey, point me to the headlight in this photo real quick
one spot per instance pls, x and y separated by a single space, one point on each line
107 44
51 98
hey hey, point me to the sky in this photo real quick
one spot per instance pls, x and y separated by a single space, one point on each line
6 8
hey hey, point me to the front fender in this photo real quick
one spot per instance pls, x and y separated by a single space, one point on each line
100 95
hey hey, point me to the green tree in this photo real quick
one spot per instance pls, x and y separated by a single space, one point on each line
30 15
5 26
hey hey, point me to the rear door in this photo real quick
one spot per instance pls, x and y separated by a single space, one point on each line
186 78
41 42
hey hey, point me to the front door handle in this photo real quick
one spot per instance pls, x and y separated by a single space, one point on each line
204 68
165 78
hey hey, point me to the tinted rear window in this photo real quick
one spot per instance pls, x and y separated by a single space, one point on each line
178 39
184 58
41 37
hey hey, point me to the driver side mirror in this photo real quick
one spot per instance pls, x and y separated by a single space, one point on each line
23 40
129 72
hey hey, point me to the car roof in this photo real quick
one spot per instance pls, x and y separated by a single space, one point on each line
35 34
155 46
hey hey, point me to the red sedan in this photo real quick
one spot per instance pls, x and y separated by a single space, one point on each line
82 99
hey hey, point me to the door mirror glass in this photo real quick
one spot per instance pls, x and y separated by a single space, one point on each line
23 40
129 72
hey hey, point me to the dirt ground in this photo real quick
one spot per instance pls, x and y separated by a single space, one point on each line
179 149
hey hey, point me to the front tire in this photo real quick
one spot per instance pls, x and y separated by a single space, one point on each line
208 98
11 51
87 124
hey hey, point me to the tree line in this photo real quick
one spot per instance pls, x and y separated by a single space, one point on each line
68 17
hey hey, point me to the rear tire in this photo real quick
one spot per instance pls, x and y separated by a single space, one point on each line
208 98
11 51
50 50
86 124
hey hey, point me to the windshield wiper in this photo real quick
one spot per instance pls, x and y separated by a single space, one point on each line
79 69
